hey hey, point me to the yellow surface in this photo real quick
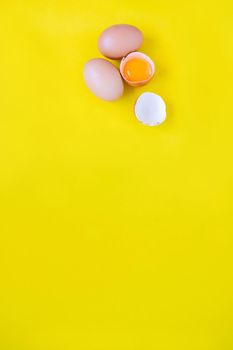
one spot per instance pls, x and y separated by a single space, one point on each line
115 236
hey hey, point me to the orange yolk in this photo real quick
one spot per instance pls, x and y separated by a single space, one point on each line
137 70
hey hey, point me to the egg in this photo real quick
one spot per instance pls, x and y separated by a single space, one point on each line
118 40
150 109
137 69
103 79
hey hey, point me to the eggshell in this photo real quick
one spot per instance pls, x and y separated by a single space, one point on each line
150 109
141 56
103 79
119 40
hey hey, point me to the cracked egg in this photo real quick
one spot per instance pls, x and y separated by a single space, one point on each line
137 69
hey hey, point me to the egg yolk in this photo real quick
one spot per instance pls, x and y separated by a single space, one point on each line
137 70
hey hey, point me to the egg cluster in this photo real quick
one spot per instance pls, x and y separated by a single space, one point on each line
121 42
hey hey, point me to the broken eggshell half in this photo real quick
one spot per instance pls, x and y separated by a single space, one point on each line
137 69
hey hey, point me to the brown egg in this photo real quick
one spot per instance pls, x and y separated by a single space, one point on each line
119 40
103 79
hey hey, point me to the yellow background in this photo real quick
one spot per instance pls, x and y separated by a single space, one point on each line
115 235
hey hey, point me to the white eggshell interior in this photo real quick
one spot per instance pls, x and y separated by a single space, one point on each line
150 109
